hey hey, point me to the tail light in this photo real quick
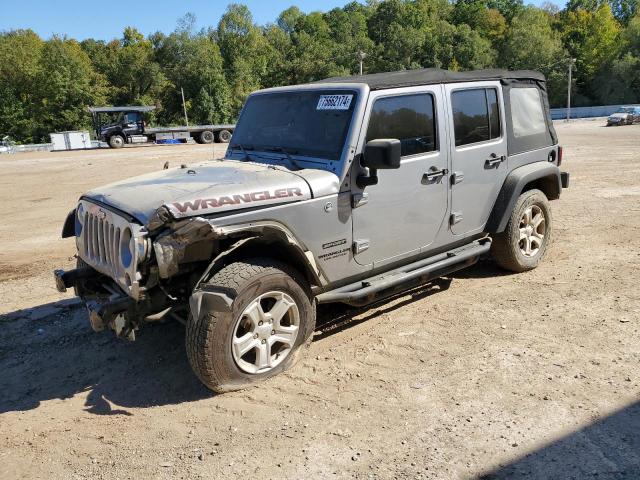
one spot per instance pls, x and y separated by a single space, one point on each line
559 155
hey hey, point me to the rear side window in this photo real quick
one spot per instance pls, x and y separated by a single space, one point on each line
409 118
476 115
527 115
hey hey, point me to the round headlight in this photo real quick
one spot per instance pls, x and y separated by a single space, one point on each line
126 250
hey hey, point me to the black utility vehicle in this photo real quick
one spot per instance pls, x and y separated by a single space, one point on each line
121 125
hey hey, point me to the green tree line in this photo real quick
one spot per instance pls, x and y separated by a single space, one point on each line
46 85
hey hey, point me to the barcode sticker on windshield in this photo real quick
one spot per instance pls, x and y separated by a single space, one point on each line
334 102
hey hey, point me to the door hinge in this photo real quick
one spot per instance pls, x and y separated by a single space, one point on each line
359 199
456 217
360 246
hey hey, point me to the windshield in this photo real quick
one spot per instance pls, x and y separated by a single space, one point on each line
625 110
118 118
306 123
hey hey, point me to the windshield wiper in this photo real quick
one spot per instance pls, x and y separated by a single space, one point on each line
243 149
287 154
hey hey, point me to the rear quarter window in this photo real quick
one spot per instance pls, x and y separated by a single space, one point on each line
527 116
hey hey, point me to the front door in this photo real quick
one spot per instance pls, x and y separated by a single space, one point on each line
479 151
132 123
405 210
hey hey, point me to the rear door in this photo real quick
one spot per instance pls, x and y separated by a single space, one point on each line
479 153
405 210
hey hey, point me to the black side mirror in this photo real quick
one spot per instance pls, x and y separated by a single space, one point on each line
382 154
379 154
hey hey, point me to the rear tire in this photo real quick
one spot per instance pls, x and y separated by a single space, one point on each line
527 236
206 136
262 289
116 141
224 136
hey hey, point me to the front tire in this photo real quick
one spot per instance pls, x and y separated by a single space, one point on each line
272 318
116 141
527 236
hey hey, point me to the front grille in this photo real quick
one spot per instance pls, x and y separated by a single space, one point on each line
101 241
111 244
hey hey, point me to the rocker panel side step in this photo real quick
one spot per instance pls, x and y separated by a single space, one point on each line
366 291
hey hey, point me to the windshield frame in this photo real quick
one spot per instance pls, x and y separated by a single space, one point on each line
264 154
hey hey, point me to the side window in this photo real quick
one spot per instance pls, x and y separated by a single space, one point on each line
527 116
131 117
476 115
409 118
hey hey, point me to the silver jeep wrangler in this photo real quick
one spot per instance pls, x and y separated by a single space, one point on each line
346 190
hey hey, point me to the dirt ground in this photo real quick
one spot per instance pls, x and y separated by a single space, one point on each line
495 375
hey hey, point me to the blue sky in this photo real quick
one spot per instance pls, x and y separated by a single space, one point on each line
107 19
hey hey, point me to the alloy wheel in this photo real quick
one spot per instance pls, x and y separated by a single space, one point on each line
265 332
532 231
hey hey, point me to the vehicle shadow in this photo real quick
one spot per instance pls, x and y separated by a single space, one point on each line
52 353
485 268
606 449
334 318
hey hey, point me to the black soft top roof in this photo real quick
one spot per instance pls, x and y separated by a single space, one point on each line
429 76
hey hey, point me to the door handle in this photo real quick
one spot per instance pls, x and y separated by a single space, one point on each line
494 160
434 174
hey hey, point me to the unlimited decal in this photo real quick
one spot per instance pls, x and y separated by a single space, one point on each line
261 196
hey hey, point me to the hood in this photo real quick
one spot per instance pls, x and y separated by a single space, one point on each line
213 187
109 127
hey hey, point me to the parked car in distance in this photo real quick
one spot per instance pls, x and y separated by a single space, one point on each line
624 116
346 190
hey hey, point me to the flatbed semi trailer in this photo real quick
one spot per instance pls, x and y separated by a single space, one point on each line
118 126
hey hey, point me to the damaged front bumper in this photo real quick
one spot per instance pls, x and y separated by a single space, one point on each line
68 279
112 313
115 311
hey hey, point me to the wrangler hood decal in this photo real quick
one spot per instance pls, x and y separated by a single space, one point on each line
180 208
205 188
